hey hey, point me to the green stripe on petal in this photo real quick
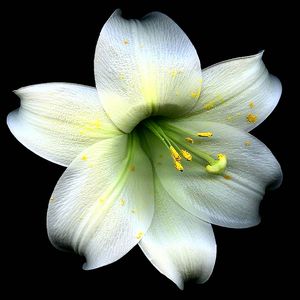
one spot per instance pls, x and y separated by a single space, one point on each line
103 203
178 244
58 120
145 67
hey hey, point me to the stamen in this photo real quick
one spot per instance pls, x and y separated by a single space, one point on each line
218 166
186 155
178 166
205 134
175 154
189 140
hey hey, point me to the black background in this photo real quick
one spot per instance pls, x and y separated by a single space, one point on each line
48 41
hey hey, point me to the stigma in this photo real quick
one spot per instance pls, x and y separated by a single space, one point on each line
219 166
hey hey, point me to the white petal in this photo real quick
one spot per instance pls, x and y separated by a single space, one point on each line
58 120
103 203
239 92
178 244
144 68
232 201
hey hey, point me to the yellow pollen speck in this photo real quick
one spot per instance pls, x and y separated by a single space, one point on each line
101 201
196 93
139 235
125 42
251 118
121 76
175 154
178 165
84 157
205 134
228 177
186 155
209 105
132 168
247 143
122 202
251 104
91 127
174 73
189 140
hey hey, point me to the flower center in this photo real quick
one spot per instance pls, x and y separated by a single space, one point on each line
214 166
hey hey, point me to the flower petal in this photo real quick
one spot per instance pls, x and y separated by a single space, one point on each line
104 202
239 92
144 68
231 199
58 120
178 244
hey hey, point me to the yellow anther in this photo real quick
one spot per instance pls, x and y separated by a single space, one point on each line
251 118
186 155
122 202
205 134
175 154
125 42
84 157
227 177
178 165
139 235
247 143
251 104
219 166
189 140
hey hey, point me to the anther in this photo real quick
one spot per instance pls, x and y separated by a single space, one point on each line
174 153
205 134
186 155
189 140
178 165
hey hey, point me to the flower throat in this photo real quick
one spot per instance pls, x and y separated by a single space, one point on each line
214 166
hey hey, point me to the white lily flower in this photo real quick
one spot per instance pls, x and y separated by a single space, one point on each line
153 114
